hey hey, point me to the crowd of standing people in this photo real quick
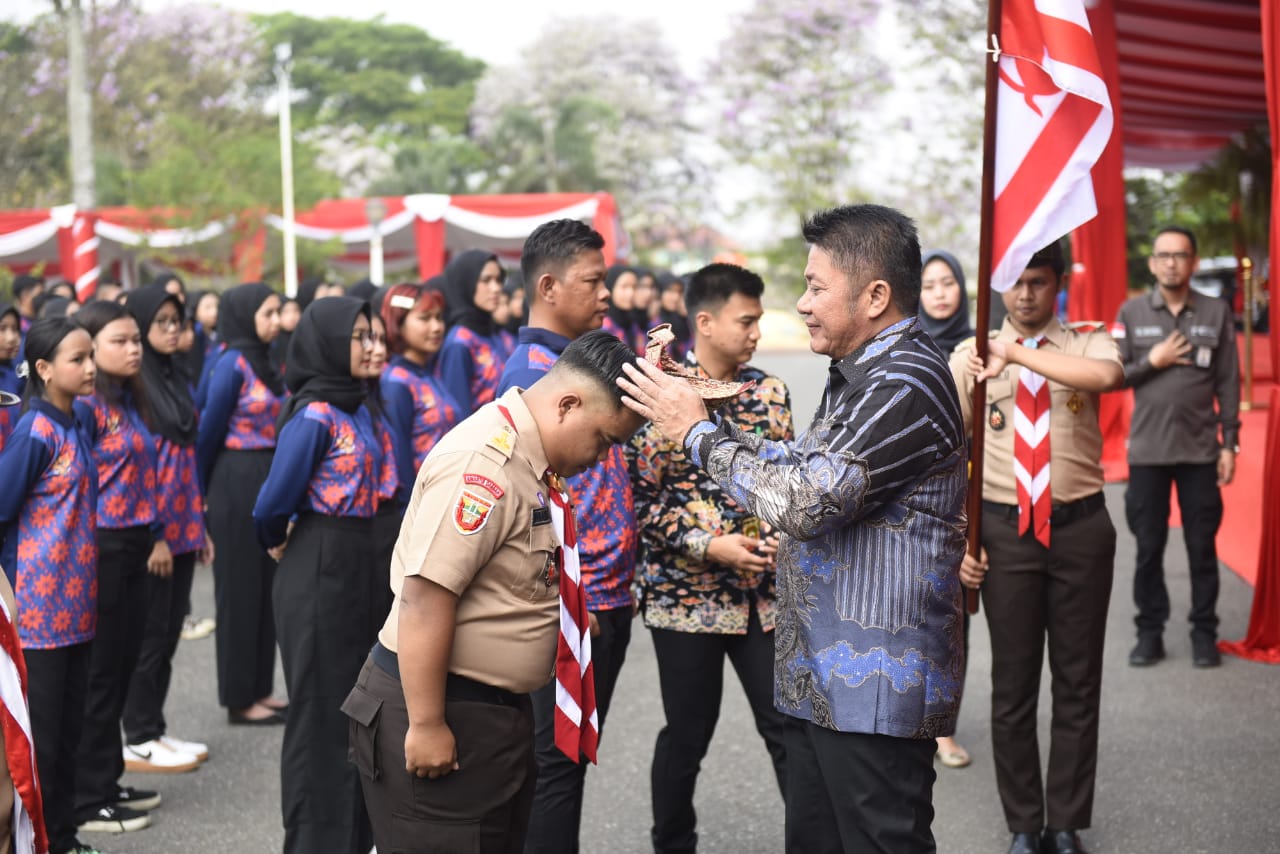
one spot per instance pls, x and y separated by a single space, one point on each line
445 503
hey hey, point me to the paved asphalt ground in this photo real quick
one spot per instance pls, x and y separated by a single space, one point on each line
1189 760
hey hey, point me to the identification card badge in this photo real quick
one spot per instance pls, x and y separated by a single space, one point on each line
1204 355
1075 403
996 418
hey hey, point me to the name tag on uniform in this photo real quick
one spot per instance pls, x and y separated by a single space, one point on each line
1204 357
1148 332
541 516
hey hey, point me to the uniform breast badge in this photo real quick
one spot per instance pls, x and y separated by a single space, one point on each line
996 418
1075 403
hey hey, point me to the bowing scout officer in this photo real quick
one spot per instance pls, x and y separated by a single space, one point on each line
1048 549
441 720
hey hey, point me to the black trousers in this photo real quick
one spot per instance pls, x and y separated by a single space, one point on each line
322 621
114 650
167 600
854 793
386 530
691 677
557 798
57 680
1061 593
1146 503
482 808
242 579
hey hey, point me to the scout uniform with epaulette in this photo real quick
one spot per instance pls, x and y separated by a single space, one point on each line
479 525
1076 440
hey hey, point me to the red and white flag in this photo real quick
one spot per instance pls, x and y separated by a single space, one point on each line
1053 120
19 746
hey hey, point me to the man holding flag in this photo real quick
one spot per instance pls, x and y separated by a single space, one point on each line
1048 549
1049 118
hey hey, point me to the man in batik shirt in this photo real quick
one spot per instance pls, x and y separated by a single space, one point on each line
870 503
707 590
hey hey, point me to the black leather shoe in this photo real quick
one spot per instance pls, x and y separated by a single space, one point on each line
1204 651
1061 842
1149 650
1025 843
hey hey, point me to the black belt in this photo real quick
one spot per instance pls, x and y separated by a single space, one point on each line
455 687
1063 514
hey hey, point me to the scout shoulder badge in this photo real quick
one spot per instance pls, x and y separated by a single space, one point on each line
479 493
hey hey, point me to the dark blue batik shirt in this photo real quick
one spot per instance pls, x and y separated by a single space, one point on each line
870 502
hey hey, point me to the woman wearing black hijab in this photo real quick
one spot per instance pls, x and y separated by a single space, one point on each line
471 360
944 314
326 474
944 303
148 747
237 437
671 311
618 321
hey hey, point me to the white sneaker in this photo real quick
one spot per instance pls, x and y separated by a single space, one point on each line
195 628
156 757
178 745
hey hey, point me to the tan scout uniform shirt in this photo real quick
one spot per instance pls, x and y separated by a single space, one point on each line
478 525
1075 440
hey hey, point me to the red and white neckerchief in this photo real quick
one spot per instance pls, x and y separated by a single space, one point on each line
1031 450
577 724
28 813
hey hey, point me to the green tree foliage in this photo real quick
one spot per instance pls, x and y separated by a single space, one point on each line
178 116
390 77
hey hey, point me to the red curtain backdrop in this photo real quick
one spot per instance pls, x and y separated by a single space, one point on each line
1262 641
1099 275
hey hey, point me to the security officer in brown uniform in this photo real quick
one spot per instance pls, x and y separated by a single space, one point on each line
1048 550
442 730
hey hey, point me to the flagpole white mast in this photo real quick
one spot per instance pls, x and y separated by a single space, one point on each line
977 447
284 63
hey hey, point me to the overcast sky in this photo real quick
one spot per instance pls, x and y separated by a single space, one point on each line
491 29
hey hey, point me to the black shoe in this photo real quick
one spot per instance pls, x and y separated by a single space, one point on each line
112 819
137 799
241 719
1061 842
1204 651
1025 843
1149 650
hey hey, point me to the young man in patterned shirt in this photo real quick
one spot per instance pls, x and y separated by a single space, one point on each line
708 578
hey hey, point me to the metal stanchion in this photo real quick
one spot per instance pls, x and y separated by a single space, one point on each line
1246 266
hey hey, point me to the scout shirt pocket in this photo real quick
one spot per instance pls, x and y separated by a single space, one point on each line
538 577
1204 342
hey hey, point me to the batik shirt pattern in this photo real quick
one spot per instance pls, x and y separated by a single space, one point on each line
682 508
48 511
870 500
181 506
604 511
327 462
419 412
470 368
252 425
125 456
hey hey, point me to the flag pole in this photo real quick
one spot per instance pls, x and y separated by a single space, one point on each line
977 447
